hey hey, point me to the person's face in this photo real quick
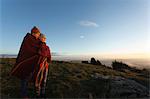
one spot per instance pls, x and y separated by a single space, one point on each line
36 35
43 39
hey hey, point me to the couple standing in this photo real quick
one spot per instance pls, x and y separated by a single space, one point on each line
32 63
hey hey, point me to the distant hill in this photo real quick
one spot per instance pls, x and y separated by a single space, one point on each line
139 63
8 55
80 80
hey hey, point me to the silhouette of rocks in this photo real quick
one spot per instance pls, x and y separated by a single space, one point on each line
86 62
98 62
93 61
119 66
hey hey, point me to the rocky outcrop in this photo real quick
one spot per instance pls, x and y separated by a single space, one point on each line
85 62
94 62
123 87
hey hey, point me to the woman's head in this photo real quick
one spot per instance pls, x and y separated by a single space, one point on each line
42 37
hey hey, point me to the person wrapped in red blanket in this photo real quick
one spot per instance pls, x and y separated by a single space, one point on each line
27 59
40 73
28 55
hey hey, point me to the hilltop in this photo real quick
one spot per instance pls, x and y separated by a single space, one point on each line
80 80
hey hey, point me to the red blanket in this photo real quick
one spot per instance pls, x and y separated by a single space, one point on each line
27 58
44 59
44 51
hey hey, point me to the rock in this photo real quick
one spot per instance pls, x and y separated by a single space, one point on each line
99 76
123 87
85 62
93 61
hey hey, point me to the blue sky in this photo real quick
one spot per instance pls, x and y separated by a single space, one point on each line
77 27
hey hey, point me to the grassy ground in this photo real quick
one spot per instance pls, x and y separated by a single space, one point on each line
65 80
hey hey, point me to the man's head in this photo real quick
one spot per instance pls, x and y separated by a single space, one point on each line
42 37
35 32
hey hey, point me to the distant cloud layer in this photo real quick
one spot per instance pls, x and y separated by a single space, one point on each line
88 23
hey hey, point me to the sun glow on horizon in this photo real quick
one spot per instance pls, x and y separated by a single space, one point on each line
144 55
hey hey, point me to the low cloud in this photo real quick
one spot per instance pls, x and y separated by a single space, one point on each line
55 54
88 23
81 36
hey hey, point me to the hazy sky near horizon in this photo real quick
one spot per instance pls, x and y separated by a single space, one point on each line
76 27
